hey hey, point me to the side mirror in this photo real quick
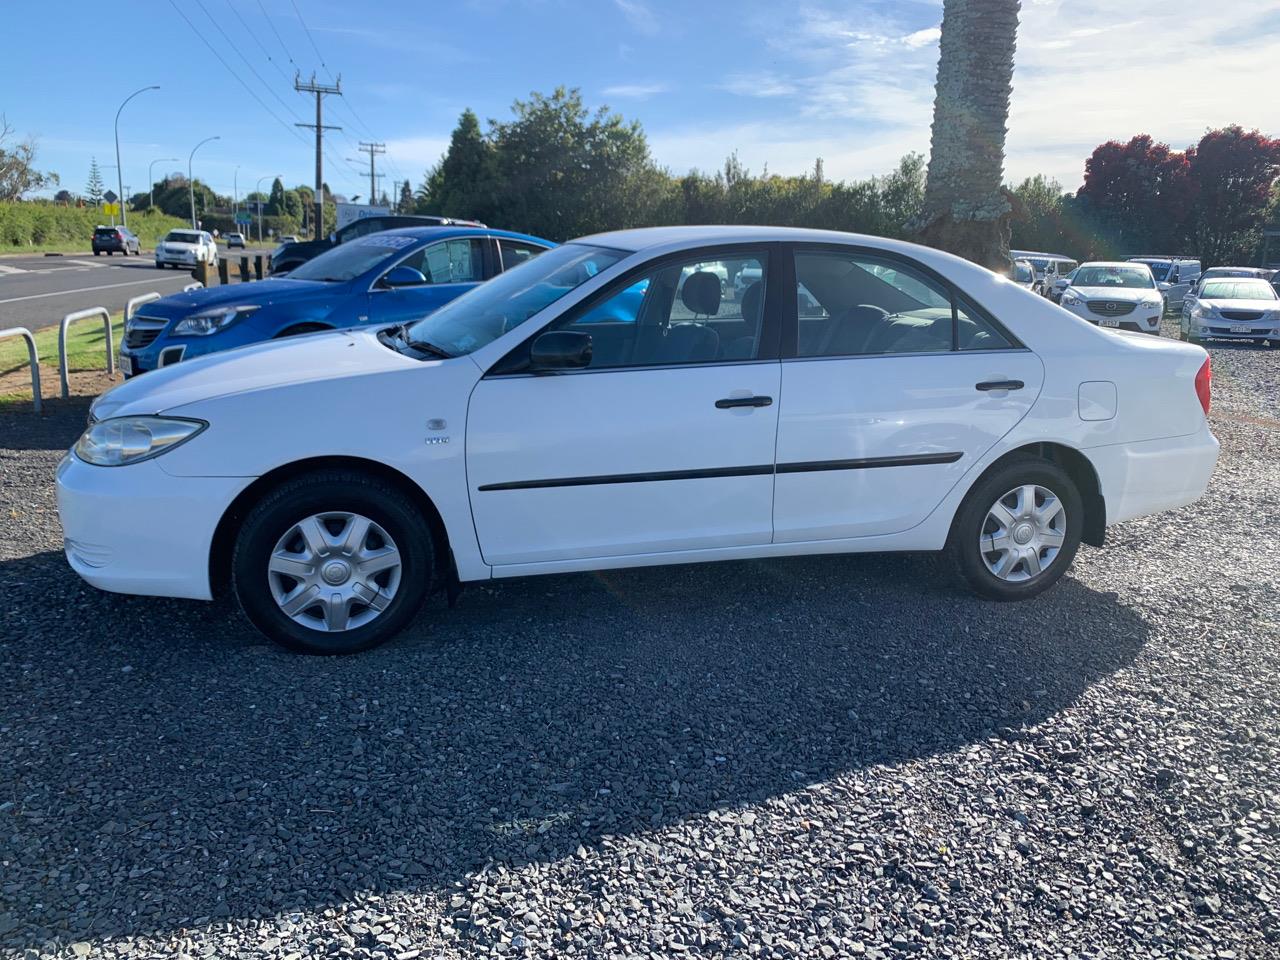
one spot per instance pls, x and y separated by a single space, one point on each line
402 276
560 350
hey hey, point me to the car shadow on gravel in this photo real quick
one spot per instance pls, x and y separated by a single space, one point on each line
57 429
161 766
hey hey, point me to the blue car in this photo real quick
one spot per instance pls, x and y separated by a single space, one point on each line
387 277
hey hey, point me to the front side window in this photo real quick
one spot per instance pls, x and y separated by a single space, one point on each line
516 252
680 312
873 306
450 261
485 313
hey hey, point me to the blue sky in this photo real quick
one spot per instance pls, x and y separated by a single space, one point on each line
779 81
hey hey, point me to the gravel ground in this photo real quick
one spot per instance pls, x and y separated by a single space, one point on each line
825 757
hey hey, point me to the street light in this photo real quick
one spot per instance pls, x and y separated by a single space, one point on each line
258 191
124 220
152 180
191 184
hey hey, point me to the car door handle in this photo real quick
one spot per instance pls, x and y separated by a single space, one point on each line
1000 385
729 403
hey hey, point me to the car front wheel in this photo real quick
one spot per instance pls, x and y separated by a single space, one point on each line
1018 530
331 563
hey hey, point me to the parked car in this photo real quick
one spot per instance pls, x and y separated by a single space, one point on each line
293 253
1024 275
1175 276
746 276
1066 271
333 481
1049 268
1120 295
186 248
1218 273
235 240
111 240
1232 308
388 277
289 238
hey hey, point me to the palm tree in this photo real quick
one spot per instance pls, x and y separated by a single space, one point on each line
966 210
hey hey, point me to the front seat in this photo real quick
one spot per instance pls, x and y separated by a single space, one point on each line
694 342
849 331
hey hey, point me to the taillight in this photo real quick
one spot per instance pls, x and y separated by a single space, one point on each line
1204 385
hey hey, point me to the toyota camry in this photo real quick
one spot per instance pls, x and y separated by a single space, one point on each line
613 403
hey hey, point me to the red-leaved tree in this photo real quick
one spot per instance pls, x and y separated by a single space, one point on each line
1233 171
1139 193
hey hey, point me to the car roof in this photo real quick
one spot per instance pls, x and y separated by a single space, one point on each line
457 230
1111 263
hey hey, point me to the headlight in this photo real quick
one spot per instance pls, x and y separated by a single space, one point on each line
124 440
211 321
1070 300
1200 310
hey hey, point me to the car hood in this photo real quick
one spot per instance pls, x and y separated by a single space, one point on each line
331 355
262 293
1259 306
1119 294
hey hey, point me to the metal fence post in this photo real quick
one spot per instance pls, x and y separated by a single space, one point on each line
62 343
36 398
193 286
138 301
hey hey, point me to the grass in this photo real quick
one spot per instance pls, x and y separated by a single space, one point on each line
85 347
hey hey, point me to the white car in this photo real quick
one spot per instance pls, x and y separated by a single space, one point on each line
1123 296
576 414
1245 308
186 248
235 240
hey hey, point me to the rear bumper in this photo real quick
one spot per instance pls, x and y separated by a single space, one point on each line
1151 476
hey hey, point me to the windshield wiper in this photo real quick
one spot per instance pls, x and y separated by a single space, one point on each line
425 347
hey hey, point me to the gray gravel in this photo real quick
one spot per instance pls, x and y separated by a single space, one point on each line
825 757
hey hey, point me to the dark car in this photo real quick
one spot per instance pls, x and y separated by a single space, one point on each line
111 240
290 255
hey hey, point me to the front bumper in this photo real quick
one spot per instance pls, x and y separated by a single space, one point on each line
1143 319
1216 329
136 529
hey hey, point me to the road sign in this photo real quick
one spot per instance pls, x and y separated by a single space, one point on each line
111 209
244 219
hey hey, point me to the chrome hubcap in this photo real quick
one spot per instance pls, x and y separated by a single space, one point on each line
1023 533
334 571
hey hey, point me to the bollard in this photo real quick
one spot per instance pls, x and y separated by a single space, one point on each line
202 274
257 267
222 271
25 334
69 319
244 269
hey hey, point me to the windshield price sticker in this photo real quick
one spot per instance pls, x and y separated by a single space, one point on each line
392 243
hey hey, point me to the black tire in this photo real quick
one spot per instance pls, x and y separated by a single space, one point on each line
966 529
97 253
159 266
321 492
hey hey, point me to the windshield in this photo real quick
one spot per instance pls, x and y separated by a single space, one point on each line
479 317
1038 262
1237 290
1218 272
179 236
1159 268
352 259
1022 272
1113 277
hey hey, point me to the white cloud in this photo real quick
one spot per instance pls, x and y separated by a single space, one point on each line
635 91
923 38
639 16
758 85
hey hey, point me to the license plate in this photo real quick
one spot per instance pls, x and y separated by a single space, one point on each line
126 364
1108 323
1241 328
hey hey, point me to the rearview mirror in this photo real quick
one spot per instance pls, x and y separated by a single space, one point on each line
561 350
402 276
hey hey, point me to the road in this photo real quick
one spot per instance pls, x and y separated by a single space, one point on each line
37 291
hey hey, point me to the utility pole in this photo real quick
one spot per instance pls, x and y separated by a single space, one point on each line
373 150
320 90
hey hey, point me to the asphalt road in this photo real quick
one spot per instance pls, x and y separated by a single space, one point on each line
37 291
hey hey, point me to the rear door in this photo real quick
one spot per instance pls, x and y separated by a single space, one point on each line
891 389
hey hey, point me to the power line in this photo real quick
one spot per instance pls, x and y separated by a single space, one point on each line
239 79
279 38
312 39
249 30
288 109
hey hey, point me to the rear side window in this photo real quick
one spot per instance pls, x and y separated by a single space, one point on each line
868 306
516 252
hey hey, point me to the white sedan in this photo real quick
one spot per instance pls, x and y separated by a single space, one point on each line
576 413
1123 296
1245 308
186 248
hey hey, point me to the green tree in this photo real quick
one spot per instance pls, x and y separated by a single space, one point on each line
463 183
965 209
276 201
18 174
94 189
405 202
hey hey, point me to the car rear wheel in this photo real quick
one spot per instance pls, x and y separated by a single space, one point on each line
333 562
1018 530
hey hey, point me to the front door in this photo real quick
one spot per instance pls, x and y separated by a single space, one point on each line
664 443
449 269
897 386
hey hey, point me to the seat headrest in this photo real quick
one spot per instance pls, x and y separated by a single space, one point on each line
701 293
753 302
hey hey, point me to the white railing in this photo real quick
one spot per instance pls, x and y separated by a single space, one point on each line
138 301
25 334
193 286
71 318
